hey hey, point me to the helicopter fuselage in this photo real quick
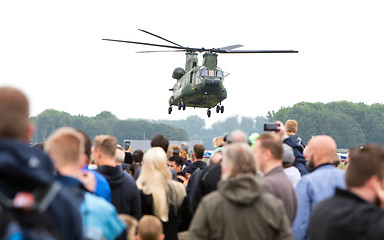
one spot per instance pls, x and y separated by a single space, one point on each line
200 87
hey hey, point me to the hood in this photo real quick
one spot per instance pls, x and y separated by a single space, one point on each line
23 167
242 189
114 175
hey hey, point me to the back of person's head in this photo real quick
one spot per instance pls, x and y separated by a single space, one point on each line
138 156
160 141
184 156
156 179
153 179
218 142
150 228
288 156
363 164
119 155
184 146
239 159
236 136
291 126
131 223
65 146
87 144
274 145
107 145
14 114
199 149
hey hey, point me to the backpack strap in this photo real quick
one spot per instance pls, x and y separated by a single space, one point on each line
44 203
6 202
40 204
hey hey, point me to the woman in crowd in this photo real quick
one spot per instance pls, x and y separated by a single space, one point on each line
161 196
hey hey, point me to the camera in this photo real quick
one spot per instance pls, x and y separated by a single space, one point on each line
127 144
271 127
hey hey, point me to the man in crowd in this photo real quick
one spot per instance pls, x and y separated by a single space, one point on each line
24 169
241 208
317 185
195 169
197 159
268 151
65 146
102 188
175 163
355 213
125 195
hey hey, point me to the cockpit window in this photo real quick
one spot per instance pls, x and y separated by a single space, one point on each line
211 73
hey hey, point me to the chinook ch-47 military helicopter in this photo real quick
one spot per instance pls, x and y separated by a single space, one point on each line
198 86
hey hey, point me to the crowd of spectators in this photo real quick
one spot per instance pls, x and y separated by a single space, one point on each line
254 186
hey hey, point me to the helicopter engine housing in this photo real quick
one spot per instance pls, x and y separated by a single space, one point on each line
178 73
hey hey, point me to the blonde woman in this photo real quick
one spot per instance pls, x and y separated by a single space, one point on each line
161 196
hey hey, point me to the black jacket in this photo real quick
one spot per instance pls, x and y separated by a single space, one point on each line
346 216
195 165
125 195
25 168
178 220
206 182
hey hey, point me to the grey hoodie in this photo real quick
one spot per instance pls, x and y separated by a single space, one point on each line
240 209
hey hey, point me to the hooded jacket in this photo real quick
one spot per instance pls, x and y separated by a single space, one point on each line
240 209
26 168
125 195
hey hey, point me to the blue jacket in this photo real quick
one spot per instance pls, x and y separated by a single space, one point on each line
99 217
311 189
102 186
25 168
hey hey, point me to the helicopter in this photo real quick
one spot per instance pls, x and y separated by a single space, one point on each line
198 86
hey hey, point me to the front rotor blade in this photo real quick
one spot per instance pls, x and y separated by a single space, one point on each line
148 44
262 51
160 37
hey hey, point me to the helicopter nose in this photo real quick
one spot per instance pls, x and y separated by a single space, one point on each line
211 82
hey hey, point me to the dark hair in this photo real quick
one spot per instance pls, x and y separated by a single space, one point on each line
199 149
178 160
133 167
138 156
365 163
160 141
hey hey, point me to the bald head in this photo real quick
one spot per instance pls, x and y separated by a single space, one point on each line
321 149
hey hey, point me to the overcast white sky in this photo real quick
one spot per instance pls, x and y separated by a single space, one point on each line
53 51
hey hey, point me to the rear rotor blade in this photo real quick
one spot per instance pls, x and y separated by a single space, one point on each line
160 37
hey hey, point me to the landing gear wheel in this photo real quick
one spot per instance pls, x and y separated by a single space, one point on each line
169 109
222 109
179 106
184 106
209 112
218 109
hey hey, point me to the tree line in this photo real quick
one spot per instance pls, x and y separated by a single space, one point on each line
350 124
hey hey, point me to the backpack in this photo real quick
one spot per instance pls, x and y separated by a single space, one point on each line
25 216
